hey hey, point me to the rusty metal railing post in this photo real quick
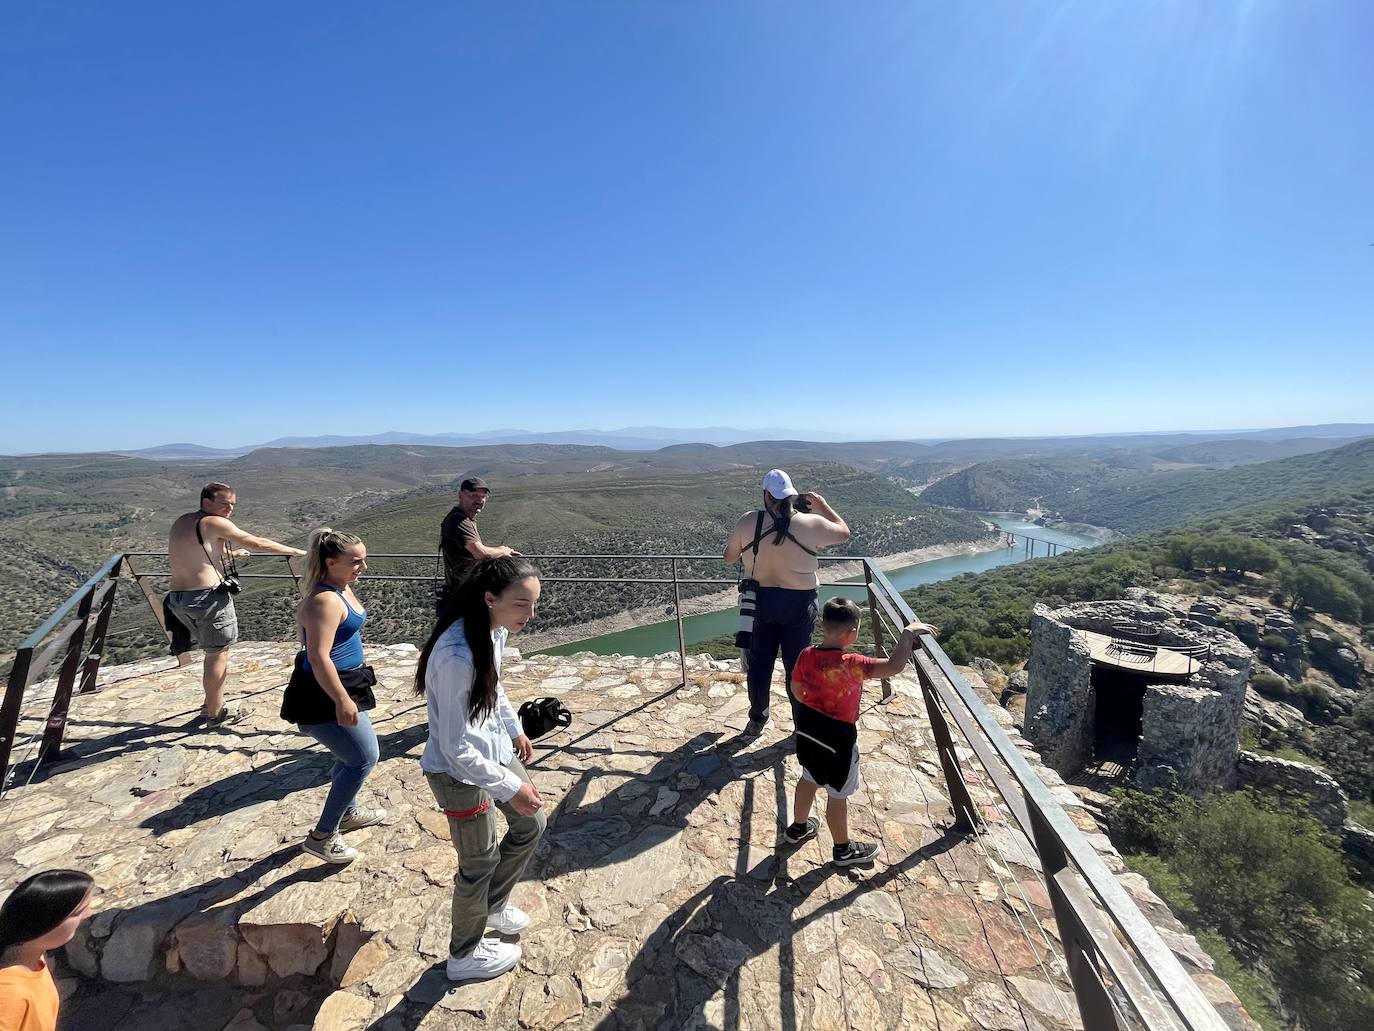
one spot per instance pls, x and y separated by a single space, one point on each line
966 816
90 669
681 636
9 710
51 749
1080 952
291 565
877 625
148 595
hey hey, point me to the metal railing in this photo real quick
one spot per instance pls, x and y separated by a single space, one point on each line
76 647
1122 973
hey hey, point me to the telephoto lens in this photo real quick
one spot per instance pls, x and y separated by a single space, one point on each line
748 597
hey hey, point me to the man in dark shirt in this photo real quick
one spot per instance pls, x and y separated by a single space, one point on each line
459 540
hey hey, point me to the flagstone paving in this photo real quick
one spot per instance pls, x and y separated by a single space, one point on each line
660 897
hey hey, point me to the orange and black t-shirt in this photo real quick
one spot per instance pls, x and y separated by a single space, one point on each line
831 681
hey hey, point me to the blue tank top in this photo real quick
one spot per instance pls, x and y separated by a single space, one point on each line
347 652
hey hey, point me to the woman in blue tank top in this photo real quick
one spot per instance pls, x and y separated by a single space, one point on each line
330 619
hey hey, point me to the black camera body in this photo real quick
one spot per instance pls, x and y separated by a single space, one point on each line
801 503
230 585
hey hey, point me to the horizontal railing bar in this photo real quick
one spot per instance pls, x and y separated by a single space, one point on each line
45 658
36 638
432 556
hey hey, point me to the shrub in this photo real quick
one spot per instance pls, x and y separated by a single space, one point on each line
1271 685
1272 882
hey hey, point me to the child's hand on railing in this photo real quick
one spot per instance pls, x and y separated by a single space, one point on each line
916 628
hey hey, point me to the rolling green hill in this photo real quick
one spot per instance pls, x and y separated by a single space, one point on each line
1013 485
612 510
1169 498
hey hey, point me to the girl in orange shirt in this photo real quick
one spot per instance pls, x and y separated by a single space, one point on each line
42 913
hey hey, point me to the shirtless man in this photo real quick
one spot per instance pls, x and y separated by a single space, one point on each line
197 600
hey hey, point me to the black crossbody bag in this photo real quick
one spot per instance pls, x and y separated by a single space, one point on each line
305 702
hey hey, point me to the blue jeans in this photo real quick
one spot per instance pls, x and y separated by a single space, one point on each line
355 749
783 620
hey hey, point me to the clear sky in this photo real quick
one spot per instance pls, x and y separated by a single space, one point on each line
226 223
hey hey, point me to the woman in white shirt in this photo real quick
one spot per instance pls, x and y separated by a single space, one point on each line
474 758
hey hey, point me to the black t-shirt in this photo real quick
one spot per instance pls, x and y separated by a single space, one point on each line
457 533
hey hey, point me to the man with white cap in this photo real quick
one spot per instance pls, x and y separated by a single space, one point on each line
778 545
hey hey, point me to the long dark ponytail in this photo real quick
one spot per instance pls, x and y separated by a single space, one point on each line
468 603
781 510
39 904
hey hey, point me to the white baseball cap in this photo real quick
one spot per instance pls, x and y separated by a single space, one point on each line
778 484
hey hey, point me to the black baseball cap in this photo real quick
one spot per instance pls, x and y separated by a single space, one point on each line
474 483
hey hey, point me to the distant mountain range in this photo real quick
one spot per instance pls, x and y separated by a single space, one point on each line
631 438
655 438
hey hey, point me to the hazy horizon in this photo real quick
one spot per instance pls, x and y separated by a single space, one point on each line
743 435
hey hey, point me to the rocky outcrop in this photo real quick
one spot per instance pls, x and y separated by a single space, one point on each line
1316 788
1336 658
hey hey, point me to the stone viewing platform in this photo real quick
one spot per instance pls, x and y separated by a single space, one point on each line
661 896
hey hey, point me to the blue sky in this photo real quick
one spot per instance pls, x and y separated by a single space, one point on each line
223 224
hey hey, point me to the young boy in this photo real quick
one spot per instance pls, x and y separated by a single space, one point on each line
827 682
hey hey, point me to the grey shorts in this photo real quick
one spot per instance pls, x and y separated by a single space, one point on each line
209 616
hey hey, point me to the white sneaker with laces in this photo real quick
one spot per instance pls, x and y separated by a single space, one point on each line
332 849
357 819
491 958
508 920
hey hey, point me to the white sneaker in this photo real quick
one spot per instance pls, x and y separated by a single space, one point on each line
357 819
491 958
332 849
509 920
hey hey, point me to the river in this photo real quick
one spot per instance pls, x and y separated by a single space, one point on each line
656 638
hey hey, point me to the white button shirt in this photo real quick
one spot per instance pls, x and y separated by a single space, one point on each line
472 753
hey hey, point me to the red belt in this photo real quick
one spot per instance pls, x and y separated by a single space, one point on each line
454 814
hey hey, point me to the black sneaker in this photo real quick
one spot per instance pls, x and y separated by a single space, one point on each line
753 728
799 832
854 853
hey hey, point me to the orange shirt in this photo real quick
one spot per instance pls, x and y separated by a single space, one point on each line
28 999
831 681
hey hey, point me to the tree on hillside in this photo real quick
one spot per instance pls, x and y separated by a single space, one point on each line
1312 588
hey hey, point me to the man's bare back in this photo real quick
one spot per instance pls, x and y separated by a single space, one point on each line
189 560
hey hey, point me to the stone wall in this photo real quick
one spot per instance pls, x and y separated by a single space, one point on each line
1317 788
1059 704
1189 739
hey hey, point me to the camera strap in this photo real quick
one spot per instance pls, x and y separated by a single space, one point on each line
782 531
227 566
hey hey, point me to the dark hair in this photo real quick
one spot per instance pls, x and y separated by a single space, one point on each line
840 612
468 603
39 904
208 492
781 510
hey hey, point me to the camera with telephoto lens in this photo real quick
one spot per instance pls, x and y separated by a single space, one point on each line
230 585
801 503
748 600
